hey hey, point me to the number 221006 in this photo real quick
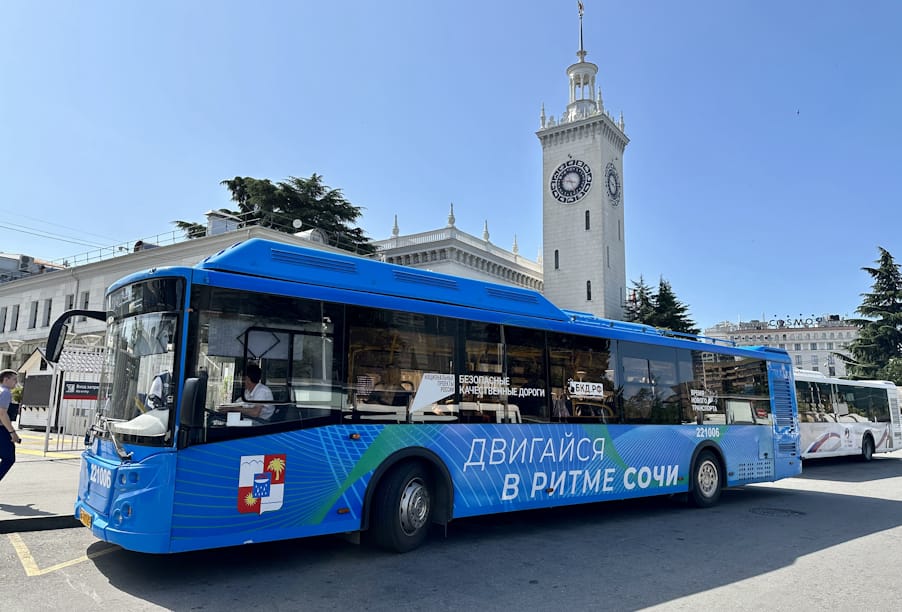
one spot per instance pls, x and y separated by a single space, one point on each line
707 432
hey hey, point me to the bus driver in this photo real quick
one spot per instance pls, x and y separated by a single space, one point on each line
254 391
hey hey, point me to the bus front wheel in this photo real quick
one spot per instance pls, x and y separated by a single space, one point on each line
402 511
707 480
867 448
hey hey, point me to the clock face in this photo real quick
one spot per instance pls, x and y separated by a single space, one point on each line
571 181
612 182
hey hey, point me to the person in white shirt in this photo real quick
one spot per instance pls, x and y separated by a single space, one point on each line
255 391
159 390
8 436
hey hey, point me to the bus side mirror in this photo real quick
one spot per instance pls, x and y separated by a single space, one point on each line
56 340
194 396
57 337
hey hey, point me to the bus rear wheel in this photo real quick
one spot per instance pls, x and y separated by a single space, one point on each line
707 480
402 510
867 448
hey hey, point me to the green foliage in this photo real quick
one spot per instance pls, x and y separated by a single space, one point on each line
278 205
670 313
877 352
659 309
192 230
640 307
891 371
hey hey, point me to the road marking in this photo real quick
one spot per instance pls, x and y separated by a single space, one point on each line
31 447
31 567
49 454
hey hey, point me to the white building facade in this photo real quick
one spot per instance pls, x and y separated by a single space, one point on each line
812 342
450 250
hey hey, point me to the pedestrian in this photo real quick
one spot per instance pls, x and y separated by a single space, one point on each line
8 437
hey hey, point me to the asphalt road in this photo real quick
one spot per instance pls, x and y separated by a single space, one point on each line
830 539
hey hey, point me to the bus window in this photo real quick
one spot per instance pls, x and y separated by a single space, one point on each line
484 381
729 389
582 379
270 348
650 384
392 357
526 367
706 403
862 404
823 402
815 402
291 340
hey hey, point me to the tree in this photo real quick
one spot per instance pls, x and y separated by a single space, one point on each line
639 308
891 371
659 309
280 205
879 340
192 230
670 313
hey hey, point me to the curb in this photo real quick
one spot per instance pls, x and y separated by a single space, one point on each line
38 523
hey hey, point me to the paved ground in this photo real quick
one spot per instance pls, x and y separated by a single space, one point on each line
826 540
39 491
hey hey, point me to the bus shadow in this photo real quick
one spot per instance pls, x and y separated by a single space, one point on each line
852 469
629 555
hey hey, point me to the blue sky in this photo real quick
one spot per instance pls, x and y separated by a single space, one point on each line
763 169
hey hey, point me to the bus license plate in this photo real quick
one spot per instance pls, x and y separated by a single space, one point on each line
85 518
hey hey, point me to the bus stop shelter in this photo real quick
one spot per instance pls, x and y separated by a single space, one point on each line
61 398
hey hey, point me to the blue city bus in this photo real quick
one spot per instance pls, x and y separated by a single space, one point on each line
274 391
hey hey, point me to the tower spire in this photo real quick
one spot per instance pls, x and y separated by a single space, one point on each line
581 54
582 81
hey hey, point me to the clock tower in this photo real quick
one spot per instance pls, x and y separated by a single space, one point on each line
582 203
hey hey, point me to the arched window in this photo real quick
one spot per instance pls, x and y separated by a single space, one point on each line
557 259
588 224
589 291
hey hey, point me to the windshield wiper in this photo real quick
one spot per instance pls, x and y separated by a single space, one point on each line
107 427
119 450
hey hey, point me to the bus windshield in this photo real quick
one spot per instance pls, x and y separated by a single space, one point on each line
136 386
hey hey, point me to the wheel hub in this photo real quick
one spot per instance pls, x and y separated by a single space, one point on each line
707 478
414 509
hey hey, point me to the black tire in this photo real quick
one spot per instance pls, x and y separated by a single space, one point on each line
707 480
402 509
867 448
